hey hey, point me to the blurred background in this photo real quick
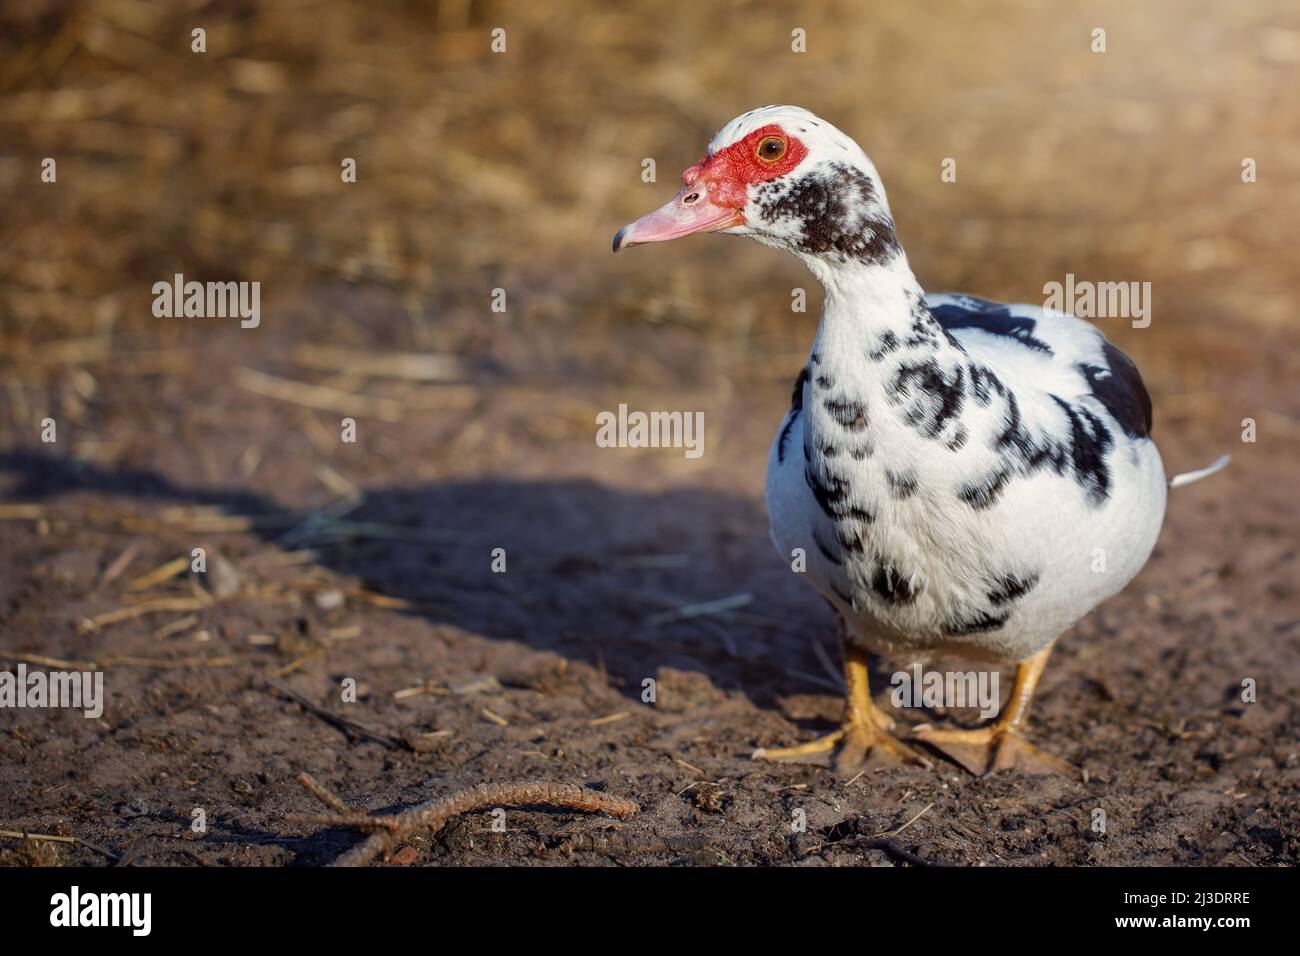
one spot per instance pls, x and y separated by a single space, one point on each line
479 171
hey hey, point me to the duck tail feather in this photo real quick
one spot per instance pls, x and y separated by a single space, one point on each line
1187 477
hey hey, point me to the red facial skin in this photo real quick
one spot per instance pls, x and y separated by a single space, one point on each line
716 191
729 172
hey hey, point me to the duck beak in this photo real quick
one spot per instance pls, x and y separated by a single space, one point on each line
689 212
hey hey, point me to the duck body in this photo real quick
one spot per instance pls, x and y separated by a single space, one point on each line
954 475
963 477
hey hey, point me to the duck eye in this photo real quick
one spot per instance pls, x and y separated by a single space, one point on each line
771 149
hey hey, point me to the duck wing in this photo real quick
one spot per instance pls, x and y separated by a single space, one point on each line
1032 348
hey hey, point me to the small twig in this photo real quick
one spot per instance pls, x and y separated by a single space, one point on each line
90 625
909 822
686 611
118 565
324 794
177 626
691 768
857 776
41 837
161 663
433 815
160 574
51 838
889 845
107 854
399 365
885 841
346 724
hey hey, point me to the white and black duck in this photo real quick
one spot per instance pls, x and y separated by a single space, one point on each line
963 477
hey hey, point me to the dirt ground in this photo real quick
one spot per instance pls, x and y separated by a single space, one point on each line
372 561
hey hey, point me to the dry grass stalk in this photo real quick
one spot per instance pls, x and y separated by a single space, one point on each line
22 512
317 396
104 663
131 612
160 574
686 611
118 565
396 365
178 626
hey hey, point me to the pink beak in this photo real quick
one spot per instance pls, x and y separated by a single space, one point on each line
690 211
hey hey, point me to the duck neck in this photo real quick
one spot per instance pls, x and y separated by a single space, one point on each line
881 350
876 310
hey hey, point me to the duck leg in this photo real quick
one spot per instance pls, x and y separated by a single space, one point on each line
1000 745
865 731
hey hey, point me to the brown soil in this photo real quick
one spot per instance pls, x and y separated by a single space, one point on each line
466 676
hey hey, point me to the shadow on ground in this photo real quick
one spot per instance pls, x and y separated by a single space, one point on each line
592 573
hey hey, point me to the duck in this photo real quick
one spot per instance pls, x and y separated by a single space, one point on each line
955 476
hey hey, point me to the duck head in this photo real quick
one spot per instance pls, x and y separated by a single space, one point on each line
786 178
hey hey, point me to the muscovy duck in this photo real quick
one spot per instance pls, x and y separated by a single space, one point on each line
963 477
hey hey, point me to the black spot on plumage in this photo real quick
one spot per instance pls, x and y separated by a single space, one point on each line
902 486
826 551
1016 439
984 492
935 396
923 332
974 623
785 436
1121 391
892 586
848 413
831 204
984 383
1089 442
1081 454
832 496
828 496
851 543
888 343
995 320
1012 587
796 406
796 393
824 381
